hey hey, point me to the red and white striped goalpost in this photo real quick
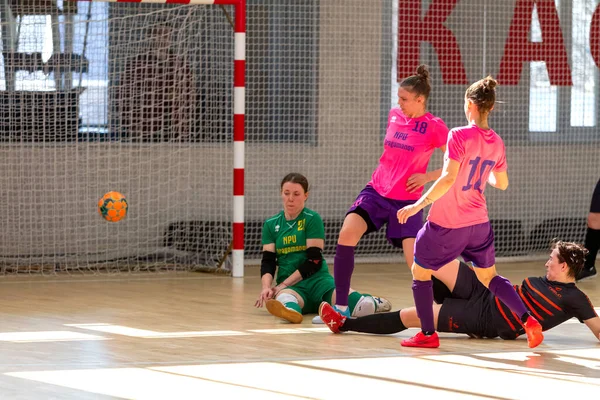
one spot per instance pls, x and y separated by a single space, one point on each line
239 82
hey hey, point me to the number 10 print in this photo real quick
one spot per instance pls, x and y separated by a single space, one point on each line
480 171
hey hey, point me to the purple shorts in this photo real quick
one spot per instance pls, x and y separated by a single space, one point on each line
437 246
381 210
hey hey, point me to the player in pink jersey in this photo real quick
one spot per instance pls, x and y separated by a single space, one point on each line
458 223
411 137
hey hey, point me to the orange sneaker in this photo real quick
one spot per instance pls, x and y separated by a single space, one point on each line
333 319
421 340
276 308
533 329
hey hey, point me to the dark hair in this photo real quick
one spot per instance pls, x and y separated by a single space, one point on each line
418 83
571 253
483 94
295 177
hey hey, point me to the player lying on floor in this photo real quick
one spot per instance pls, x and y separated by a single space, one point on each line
293 240
464 305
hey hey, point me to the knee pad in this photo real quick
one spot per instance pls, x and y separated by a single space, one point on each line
364 306
286 298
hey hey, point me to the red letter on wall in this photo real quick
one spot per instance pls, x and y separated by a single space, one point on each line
595 36
519 49
412 30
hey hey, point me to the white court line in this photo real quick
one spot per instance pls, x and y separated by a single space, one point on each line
316 330
124 278
278 331
148 334
46 336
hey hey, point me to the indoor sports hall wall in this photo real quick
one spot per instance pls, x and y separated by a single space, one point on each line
320 81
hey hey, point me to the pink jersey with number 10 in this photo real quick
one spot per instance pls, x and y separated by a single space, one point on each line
407 148
479 152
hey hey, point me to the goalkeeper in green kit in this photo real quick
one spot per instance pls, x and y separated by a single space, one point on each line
293 240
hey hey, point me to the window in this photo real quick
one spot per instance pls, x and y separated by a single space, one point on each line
585 75
579 101
543 97
55 64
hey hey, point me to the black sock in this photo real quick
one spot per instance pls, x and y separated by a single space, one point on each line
384 323
592 243
524 317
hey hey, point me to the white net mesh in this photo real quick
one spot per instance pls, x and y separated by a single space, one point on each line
128 97
138 98
549 126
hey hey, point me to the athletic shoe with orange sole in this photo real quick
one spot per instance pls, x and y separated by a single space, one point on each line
276 308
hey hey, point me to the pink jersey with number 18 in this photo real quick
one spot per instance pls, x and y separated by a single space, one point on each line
479 152
407 148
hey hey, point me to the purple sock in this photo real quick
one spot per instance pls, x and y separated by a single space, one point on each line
343 266
504 290
423 295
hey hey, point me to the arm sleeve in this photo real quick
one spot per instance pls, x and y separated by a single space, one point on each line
389 118
441 135
315 229
501 165
455 149
267 235
582 307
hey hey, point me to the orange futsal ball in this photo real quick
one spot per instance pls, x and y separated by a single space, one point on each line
112 206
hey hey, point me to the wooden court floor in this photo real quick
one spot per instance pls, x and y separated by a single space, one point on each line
198 336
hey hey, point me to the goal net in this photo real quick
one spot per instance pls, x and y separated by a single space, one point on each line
139 98
135 98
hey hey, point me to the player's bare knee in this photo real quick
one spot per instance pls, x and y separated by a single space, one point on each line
408 245
420 274
349 236
352 230
484 276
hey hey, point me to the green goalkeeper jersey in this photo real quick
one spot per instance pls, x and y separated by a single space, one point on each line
290 239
